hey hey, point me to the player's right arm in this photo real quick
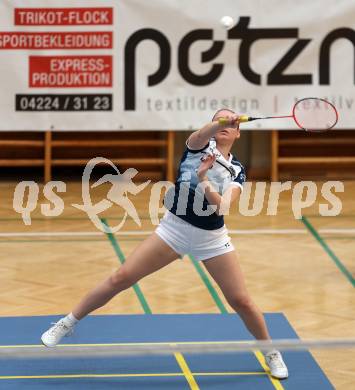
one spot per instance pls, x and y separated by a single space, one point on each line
200 138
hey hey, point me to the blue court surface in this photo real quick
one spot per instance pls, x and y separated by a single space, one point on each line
218 372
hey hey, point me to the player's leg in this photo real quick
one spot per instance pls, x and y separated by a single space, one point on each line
227 273
151 255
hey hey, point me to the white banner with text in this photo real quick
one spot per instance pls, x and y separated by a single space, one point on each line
168 64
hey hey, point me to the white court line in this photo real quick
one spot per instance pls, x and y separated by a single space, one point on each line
337 231
50 234
268 231
147 232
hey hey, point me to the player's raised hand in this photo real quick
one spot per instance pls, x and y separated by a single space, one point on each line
230 121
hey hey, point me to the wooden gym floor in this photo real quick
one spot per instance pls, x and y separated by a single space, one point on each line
302 268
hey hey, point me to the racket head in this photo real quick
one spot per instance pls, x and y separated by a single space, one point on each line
315 114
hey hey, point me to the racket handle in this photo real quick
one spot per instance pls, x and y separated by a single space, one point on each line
242 118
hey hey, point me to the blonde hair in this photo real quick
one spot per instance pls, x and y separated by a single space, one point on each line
222 109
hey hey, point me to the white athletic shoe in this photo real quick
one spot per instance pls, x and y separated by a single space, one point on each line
276 364
53 335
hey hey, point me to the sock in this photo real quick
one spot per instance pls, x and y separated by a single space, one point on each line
70 320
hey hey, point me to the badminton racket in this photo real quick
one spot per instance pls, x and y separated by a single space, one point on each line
310 114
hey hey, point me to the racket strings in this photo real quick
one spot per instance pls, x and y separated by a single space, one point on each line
315 114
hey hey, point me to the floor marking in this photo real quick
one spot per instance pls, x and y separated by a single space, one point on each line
337 231
56 240
266 231
349 231
167 374
51 219
51 234
327 249
186 371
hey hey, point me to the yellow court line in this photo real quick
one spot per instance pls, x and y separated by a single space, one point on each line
186 371
228 373
276 383
171 374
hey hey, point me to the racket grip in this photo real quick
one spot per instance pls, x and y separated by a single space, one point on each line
225 121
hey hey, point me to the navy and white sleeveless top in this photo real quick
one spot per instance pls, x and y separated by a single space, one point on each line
187 201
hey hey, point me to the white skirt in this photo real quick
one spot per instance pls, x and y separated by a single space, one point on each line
185 238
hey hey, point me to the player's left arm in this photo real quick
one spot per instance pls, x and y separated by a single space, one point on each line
230 195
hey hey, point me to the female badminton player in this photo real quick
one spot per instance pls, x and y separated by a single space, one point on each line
209 180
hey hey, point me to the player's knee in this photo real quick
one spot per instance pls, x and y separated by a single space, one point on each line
121 279
240 302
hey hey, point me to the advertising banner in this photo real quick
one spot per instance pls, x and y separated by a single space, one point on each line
168 64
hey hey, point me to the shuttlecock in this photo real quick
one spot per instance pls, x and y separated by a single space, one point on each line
227 22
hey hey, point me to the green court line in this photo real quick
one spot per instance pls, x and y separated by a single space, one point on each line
327 249
209 285
122 259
